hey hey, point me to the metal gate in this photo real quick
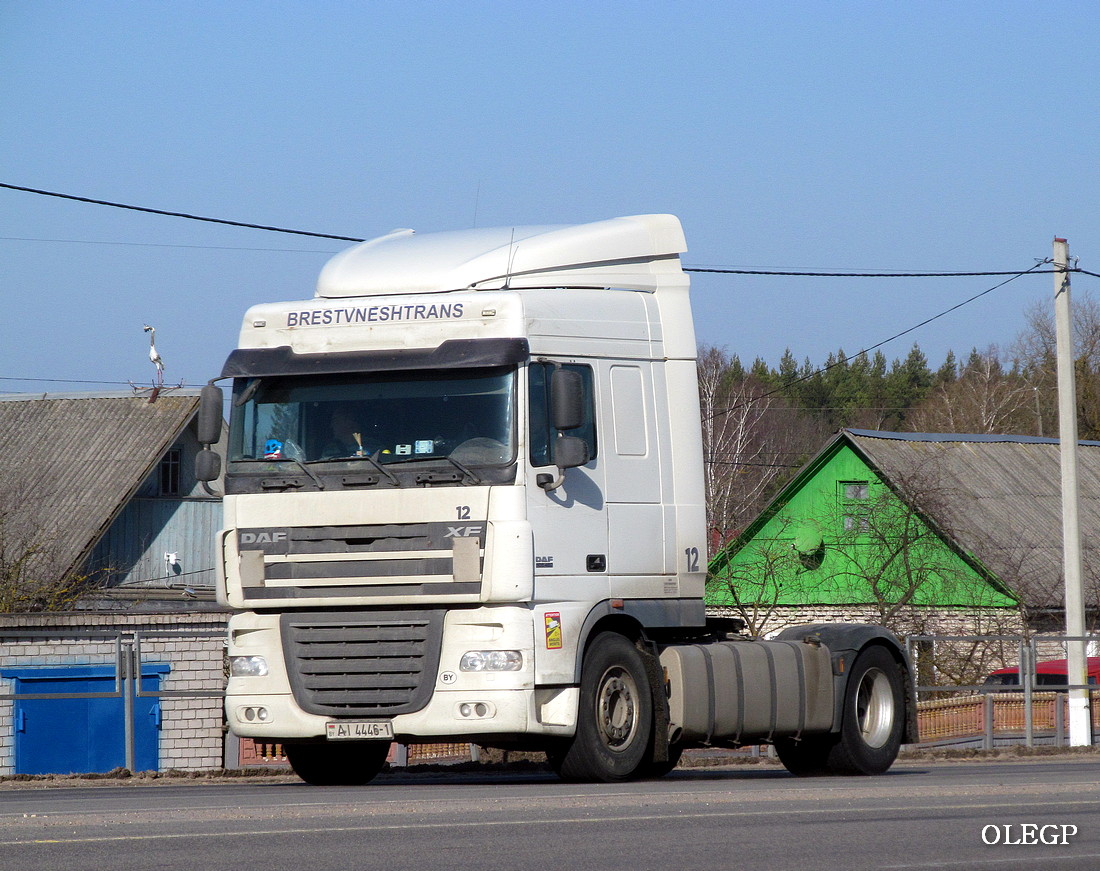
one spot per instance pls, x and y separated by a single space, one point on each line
89 701
78 719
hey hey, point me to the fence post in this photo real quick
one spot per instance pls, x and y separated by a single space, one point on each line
987 724
126 665
1060 719
1027 672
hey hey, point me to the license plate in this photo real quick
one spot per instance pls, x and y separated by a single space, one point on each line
359 731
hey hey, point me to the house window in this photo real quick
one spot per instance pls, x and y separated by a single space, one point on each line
854 505
169 473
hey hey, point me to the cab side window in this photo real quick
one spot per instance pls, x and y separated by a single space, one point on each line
543 434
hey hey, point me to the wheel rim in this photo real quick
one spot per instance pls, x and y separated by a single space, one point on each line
617 708
875 707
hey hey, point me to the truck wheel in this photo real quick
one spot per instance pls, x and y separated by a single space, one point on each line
337 765
807 756
615 717
874 715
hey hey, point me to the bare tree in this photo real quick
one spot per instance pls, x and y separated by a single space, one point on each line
1035 355
753 586
32 576
753 440
984 398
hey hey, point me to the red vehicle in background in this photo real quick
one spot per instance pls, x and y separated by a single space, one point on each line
1051 673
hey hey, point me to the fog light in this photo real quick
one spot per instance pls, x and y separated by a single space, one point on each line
247 666
475 710
491 660
254 715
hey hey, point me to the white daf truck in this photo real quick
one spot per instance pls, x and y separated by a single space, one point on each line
464 502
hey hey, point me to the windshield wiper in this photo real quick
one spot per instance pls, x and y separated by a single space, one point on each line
464 470
285 459
373 460
316 480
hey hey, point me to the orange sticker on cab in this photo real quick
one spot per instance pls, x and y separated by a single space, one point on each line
553 630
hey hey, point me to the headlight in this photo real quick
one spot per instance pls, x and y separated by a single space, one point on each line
247 666
491 660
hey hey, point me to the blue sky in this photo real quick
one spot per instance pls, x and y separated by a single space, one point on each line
915 136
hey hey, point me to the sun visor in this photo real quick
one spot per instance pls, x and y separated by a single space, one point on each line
451 354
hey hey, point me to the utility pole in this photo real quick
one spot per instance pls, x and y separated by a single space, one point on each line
1080 723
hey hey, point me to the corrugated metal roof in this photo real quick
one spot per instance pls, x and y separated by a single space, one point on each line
999 498
68 464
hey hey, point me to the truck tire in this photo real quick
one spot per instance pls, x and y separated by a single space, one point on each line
615 717
871 728
807 756
337 764
874 715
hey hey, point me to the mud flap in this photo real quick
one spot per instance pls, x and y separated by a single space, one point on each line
660 699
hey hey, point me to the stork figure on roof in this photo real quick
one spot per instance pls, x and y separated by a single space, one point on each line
154 355
154 358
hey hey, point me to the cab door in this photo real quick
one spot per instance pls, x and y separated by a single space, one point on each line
569 522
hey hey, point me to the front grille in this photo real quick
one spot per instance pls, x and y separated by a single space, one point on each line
362 663
411 559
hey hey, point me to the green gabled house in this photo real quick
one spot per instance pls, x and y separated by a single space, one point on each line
924 532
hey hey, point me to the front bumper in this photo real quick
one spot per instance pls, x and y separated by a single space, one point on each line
460 704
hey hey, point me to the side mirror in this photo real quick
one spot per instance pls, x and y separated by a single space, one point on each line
210 416
208 465
570 451
566 399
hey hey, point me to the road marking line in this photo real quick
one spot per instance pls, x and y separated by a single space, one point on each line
396 827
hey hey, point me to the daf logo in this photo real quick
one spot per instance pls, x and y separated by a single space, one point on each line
463 531
263 537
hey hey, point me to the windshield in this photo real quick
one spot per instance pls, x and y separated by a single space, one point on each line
393 417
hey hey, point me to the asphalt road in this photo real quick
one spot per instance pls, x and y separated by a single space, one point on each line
918 816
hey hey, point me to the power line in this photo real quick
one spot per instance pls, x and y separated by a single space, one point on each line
1033 270
716 270
871 274
695 269
746 463
150 582
166 245
177 214
64 381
